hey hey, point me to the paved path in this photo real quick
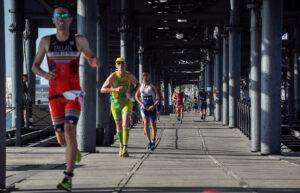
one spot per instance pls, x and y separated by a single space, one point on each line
191 157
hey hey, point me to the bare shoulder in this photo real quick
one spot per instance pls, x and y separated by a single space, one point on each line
81 41
45 42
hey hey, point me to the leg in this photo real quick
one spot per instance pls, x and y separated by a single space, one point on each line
71 146
146 128
154 131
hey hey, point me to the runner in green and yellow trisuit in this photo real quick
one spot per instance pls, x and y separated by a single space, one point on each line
121 106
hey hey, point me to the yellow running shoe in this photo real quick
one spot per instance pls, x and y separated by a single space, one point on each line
125 152
65 184
120 151
78 156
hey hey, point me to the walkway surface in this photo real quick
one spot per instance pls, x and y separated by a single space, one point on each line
195 156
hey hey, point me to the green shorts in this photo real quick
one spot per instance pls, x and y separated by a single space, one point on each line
120 107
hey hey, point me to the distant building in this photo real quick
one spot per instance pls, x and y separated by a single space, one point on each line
41 93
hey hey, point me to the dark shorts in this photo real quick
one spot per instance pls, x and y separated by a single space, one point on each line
203 105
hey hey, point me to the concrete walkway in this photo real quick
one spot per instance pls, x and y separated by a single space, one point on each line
196 156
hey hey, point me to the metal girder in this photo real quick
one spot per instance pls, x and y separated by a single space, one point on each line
181 67
205 19
182 74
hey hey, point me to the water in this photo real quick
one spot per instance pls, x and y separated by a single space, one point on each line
8 120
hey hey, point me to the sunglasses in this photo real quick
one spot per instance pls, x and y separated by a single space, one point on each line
62 15
120 63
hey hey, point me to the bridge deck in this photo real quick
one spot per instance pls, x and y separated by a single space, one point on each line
192 157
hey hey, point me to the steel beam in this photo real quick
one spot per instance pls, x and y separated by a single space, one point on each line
104 131
2 101
87 20
255 72
16 28
271 77
297 73
234 61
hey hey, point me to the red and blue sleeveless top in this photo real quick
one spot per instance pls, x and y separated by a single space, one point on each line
64 57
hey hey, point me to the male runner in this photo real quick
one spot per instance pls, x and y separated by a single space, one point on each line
178 97
118 83
151 97
202 96
63 52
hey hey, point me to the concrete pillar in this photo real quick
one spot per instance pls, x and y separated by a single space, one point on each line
86 25
225 104
255 73
141 53
234 61
2 101
271 77
218 80
210 84
103 129
126 34
297 73
16 28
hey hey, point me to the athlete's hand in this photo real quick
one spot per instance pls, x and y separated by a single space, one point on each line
151 108
50 75
144 107
93 61
119 89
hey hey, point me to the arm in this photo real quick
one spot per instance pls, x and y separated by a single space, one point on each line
137 97
107 86
157 92
36 66
135 82
84 47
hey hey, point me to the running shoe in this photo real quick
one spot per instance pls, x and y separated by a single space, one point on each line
125 152
180 121
149 145
120 151
153 145
78 156
65 184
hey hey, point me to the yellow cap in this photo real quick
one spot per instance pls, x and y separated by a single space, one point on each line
120 59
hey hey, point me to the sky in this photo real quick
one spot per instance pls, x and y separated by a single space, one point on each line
7 22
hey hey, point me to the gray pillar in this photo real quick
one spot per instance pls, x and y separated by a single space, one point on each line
255 73
16 29
2 100
103 129
30 36
271 76
141 53
126 40
234 61
210 84
86 22
218 83
297 73
225 95
166 93
202 81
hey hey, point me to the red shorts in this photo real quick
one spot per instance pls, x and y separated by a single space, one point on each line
64 111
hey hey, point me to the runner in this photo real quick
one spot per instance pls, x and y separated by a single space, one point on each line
178 97
63 52
118 83
148 92
202 96
195 104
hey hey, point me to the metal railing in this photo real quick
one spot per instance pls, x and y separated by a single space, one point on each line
243 117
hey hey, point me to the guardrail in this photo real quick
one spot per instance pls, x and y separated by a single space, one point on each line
243 117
